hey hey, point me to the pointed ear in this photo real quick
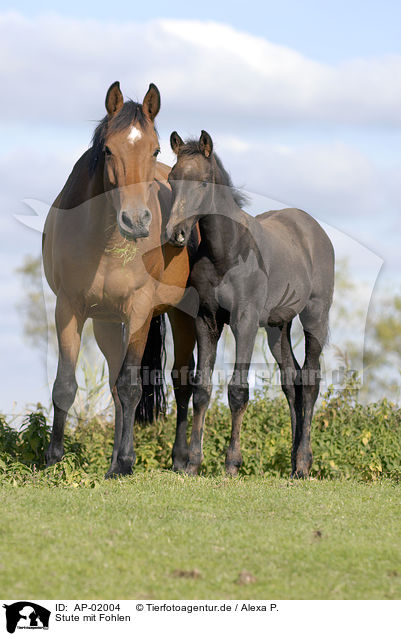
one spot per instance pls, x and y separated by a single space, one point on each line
151 102
205 144
114 99
175 142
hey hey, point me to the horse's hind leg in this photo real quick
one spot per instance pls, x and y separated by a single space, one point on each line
244 329
183 328
69 329
109 337
314 320
280 345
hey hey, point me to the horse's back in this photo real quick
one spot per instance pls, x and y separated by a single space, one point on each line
162 171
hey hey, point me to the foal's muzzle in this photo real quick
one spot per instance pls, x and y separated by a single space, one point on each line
178 238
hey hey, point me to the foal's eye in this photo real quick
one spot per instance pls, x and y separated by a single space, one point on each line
156 152
107 151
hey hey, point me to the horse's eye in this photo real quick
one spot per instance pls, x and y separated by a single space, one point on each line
204 184
107 151
156 152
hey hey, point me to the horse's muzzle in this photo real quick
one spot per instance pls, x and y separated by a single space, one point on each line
134 228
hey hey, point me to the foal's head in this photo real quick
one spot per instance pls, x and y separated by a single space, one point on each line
190 180
128 140
200 186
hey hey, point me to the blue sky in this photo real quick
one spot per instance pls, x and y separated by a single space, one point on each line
332 30
303 101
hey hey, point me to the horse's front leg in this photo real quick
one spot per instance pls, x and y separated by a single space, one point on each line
129 391
244 327
69 329
183 328
208 331
110 338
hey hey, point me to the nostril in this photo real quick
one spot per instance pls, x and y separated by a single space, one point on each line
180 237
126 220
146 216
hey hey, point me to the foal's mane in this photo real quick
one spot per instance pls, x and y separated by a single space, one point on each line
130 113
191 147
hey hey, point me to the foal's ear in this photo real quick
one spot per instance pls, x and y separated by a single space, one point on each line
205 144
114 99
151 102
175 142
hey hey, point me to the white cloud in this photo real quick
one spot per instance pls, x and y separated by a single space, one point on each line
58 69
330 180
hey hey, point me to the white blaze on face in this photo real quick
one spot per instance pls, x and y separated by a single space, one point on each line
134 135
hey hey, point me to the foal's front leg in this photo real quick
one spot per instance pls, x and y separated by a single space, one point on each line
208 332
245 328
183 328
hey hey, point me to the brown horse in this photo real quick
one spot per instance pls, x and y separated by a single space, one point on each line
104 259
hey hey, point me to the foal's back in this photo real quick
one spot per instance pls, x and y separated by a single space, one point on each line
299 259
294 232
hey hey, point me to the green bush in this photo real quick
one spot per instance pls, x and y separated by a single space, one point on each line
348 439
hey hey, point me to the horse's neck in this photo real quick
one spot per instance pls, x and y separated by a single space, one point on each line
102 216
80 187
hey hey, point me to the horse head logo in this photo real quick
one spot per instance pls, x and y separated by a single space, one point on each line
30 614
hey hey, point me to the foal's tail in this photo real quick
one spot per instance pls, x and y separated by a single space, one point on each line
153 400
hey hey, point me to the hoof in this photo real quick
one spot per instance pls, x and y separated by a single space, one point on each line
180 462
300 474
122 467
233 462
302 464
111 474
179 467
115 472
192 469
53 458
232 469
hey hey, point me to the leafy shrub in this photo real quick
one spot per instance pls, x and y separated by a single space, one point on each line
348 440
8 438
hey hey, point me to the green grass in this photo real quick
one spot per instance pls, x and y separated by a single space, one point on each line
144 536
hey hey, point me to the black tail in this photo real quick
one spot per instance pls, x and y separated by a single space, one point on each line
153 400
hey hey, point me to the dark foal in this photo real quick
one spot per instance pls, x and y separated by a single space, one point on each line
250 273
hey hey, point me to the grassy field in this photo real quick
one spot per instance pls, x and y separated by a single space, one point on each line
161 535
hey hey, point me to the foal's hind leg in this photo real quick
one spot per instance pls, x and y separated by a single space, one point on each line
280 345
314 320
244 329
310 383
69 329
183 328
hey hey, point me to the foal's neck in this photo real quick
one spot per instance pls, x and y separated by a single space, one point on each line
221 231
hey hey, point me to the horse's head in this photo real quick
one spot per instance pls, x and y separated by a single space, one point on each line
130 146
192 182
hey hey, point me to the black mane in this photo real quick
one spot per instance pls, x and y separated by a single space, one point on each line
191 147
130 113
